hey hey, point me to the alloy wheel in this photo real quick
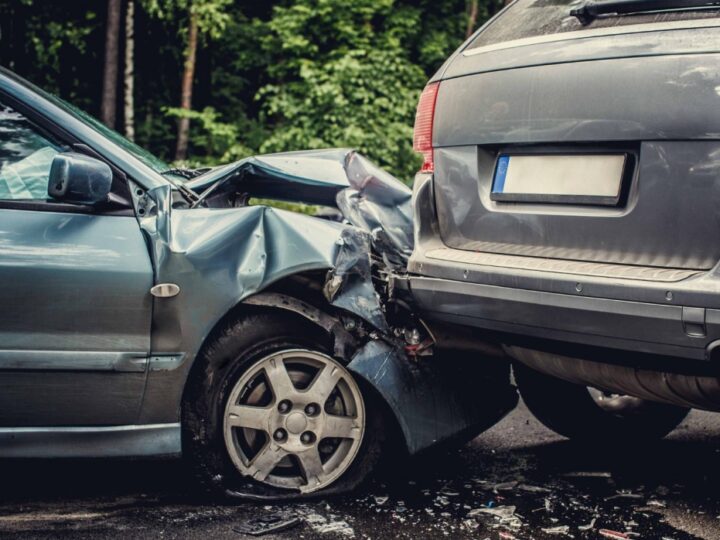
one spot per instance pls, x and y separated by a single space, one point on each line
294 420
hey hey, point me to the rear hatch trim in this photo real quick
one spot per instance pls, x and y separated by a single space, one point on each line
561 266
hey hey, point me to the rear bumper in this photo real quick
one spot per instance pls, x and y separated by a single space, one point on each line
515 315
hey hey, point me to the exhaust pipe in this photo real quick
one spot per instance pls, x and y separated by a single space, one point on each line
699 392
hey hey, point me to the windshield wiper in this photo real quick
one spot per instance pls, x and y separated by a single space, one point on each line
591 9
186 192
188 174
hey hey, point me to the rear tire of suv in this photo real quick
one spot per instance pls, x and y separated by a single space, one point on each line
316 429
571 410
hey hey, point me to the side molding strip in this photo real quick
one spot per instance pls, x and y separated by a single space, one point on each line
28 360
90 442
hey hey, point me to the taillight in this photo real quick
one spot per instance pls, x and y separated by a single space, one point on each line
422 135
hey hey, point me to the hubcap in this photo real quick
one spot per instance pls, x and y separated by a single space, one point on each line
295 419
296 423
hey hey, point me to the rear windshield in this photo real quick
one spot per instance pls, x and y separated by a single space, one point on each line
532 18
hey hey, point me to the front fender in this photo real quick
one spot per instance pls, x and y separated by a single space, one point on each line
450 395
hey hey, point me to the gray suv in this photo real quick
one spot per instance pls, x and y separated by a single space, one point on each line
567 208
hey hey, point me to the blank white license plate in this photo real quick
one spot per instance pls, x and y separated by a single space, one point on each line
574 178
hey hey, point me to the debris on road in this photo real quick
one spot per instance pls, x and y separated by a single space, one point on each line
268 524
335 525
559 529
505 514
589 526
615 535
587 474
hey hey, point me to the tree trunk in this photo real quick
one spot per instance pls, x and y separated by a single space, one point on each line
186 92
472 18
129 85
110 72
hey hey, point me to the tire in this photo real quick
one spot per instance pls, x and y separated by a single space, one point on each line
573 411
237 372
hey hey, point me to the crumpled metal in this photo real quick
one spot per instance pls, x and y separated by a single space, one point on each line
367 196
380 204
220 256
222 251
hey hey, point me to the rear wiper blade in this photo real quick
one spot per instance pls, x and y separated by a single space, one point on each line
587 12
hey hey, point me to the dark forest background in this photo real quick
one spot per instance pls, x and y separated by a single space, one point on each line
209 81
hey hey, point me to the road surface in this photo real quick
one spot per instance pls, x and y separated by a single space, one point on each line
517 480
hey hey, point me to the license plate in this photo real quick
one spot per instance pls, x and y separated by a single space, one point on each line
571 179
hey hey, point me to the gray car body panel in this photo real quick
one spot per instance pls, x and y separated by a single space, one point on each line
76 294
649 91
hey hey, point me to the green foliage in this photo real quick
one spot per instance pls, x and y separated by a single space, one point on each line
362 99
212 16
271 76
344 79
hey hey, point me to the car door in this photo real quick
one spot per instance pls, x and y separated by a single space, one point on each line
74 294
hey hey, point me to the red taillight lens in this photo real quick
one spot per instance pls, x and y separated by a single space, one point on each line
422 136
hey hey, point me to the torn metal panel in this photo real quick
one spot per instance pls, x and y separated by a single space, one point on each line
349 285
380 204
444 397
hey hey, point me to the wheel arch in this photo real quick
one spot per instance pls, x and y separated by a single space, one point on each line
309 306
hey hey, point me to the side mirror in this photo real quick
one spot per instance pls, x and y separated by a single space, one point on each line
79 179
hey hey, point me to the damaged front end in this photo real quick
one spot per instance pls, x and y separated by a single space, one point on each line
337 271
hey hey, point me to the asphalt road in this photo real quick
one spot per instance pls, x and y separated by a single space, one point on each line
517 480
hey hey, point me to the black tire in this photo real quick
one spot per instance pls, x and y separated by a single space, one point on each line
570 410
228 354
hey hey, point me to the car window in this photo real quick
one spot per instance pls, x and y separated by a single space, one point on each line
533 18
140 153
25 157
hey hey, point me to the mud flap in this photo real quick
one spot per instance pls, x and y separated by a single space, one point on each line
448 396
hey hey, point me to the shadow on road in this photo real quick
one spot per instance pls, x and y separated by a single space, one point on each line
517 480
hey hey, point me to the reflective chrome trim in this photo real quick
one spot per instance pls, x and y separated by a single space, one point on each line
24 360
88 442
165 290
598 32
166 362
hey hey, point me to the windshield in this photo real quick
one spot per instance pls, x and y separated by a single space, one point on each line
143 155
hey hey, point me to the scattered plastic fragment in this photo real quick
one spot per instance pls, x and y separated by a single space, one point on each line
589 526
533 489
322 525
506 515
607 533
624 495
506 486
560 529
268 524
587 474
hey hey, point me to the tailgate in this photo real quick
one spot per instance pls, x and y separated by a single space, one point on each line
614 158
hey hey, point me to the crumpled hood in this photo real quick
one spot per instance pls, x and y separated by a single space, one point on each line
367 197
